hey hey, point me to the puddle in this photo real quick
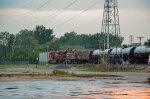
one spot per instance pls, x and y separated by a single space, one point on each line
97 89
11 88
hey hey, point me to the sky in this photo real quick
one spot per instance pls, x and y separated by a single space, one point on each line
16 15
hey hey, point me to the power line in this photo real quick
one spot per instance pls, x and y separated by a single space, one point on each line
37 8
42 5
75 15
29 13
58 13
53 15
61 11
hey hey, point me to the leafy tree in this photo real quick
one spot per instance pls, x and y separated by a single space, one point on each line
113 40
93 41
43 35
24 45
6 38
87 41
116 40
6 44
147 43
68 38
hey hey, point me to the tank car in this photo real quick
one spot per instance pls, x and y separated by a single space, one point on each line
96 55
136 55
128 55
141 54
132 55
116 56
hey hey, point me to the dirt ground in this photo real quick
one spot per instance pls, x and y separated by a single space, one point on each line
128 76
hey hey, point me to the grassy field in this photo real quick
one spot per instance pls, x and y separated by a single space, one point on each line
113 68
97 69
27 66
57 73
85 67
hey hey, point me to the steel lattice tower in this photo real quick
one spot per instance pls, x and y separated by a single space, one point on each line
110 22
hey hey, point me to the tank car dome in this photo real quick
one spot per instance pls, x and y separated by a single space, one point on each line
127 50
97 52
141 49
116 51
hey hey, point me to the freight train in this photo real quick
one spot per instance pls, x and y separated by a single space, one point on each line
131 55
67 57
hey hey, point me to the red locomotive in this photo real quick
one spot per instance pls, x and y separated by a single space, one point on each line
73 56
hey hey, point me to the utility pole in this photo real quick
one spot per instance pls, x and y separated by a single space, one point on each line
110 22
131 39
140 39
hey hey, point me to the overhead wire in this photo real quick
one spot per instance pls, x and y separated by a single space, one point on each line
75 15
53 15
58 13
43 5
30 13
61 11
38 7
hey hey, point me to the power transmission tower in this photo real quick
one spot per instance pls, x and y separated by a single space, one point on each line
110 22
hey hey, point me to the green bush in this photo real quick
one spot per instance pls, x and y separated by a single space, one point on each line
62 73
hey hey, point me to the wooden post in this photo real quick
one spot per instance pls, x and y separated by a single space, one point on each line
148 80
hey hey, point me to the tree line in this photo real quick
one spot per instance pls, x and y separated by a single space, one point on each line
27 44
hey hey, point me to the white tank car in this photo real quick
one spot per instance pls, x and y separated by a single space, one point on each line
137 55
141 54
140 50
126 51
97 53
116 51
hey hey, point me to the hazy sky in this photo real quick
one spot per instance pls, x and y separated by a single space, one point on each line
26 14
